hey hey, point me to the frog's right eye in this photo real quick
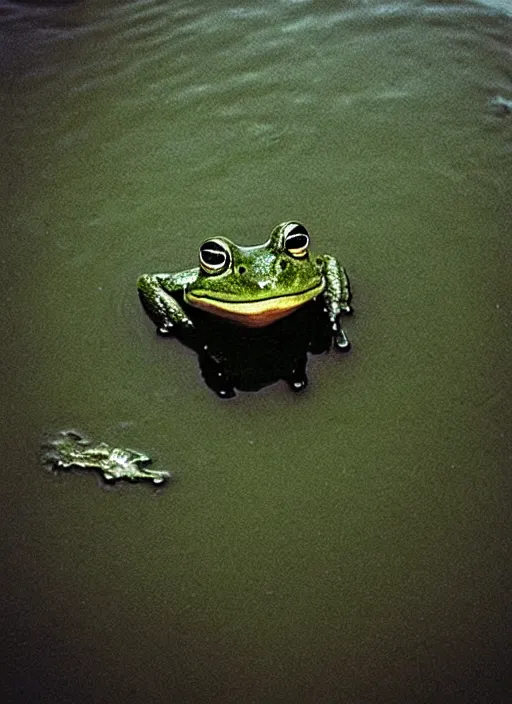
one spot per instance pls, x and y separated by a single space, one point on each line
214 256
296 240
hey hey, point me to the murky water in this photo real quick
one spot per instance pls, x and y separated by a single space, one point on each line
349 544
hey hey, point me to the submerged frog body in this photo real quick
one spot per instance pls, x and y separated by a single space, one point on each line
235 357
251 287
70 449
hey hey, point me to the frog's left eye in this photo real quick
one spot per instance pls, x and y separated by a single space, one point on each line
214 256
296 240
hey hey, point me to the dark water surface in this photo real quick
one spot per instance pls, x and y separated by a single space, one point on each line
351 544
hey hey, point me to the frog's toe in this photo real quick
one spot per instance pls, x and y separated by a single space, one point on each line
341 341
160 478
165 330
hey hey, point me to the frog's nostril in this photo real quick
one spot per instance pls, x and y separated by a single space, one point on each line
283 264
242 269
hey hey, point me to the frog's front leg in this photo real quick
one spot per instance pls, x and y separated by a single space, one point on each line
337 298
158 294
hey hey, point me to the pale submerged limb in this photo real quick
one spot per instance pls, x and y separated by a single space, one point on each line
70 449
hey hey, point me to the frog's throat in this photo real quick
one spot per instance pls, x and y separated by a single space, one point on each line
253 314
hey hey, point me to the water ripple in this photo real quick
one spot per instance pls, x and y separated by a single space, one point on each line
186 47
243 80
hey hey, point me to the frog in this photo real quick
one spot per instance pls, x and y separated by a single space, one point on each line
71 449
250 286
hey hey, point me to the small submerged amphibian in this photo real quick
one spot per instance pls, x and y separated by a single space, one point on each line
252 286
70 449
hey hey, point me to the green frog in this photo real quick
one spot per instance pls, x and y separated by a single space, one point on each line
70 449
250 286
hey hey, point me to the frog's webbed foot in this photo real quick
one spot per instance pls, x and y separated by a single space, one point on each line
340 338
182 327
166 330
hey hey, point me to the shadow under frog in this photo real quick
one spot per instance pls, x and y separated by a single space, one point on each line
253 313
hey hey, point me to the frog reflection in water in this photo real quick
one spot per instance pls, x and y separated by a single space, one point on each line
255 289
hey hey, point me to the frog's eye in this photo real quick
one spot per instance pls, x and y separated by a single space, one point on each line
296 240
214 256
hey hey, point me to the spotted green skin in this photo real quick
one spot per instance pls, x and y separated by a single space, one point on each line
255 273
70 449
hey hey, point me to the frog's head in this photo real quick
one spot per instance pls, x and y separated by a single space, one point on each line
255 286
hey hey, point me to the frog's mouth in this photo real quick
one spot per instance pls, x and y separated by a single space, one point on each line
256 313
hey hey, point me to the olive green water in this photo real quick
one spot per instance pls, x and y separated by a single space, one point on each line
350 544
